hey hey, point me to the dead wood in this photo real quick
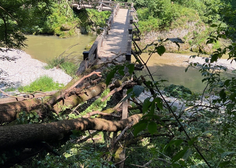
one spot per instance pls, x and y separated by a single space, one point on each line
11 99
72 88
29 134
9 111
57 102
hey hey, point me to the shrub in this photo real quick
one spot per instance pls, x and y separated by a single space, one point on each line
178 91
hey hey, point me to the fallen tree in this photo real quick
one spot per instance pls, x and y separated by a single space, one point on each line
69 98
30 134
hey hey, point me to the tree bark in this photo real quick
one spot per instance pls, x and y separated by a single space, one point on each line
30 134
9 111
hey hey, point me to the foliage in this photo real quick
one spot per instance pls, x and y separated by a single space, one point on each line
93 20
73 155
28 118
56 18
97 105
42 84
64 63
34 17
178 91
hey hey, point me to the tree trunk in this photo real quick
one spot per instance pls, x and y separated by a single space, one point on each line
30 134
9 111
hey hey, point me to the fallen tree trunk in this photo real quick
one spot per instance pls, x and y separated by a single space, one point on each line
30 134
56 102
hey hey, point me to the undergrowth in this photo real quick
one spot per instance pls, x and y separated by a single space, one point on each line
43 84
64 63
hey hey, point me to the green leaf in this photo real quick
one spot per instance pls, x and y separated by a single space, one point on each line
160 50
152 127
214 57
137 90
224 164
222 94
226 83
191 142
121 70
179 155
110 76
176 142
152 110
129 94
131 68
140 127
214 25
146 104
223 155
187 154
159 102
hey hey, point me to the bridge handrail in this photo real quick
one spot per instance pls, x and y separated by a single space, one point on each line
110 21
91 56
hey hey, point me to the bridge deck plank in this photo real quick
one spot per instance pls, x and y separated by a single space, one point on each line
117 39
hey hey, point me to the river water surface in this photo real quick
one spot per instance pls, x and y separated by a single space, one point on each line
170 66
45 48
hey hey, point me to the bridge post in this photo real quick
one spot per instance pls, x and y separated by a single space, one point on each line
85 54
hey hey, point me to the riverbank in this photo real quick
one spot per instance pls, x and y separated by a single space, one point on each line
17 68
183 60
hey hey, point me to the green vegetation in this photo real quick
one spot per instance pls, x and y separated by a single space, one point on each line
191 20
66 64
178 91
92 20
49 17
42 84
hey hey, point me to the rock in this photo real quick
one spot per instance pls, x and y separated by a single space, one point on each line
66 27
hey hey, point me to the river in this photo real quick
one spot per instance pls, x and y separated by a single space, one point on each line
170 66
45 48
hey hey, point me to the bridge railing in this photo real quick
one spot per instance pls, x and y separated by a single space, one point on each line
90 57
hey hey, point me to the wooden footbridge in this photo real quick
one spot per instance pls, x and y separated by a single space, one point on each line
117 38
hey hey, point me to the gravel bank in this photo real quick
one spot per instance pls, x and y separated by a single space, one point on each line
184 60
17 68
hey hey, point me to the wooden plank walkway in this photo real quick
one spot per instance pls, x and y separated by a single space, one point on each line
117 39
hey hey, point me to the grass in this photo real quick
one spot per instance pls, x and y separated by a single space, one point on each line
11 89
64 63
43 84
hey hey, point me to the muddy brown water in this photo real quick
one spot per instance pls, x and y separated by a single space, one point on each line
170 66
45 48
